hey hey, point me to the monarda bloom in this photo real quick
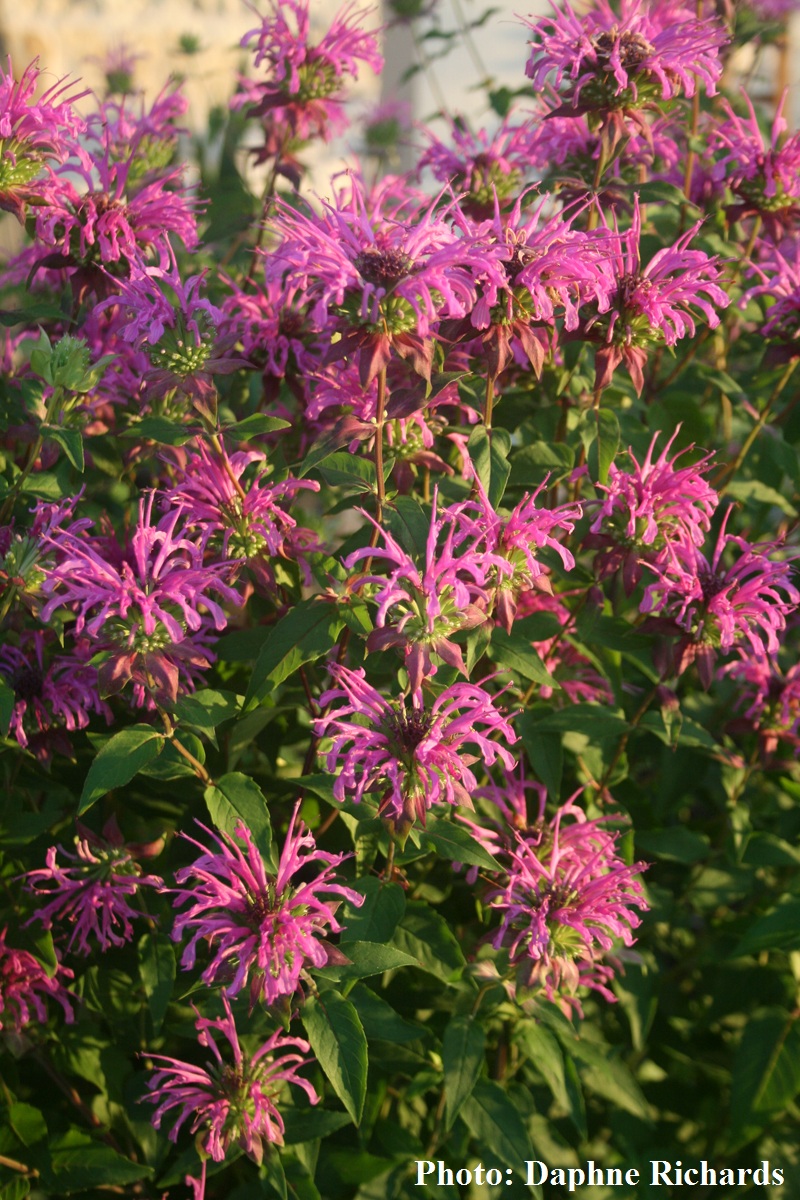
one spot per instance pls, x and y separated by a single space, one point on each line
92 894
304 92
408 754
231 1101
380 279
715 606
420 605
242 514
151 606
650 506
36 132
652 304
765 177
769 702
606 60
258 927
482 169
568 898
52 692
25 988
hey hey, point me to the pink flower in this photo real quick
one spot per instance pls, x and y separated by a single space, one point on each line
770 698
262 928
229 1102
25 987
150 605
578 680
721 606
304 92
93 896
610 60
649 508
567 898
480 165
411 755
765 176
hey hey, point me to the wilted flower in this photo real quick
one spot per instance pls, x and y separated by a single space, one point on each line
410 755
25 987
568 897
93 895
260 927
229 1102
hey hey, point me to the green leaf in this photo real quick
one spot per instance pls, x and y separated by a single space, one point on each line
15 1189
70 442
542 1048
28 1123
236 797
427 937
380 1020
766 850
8 700
766 1070
273 1174
610 1077
366 958
353 470
206 709
454 843
596 721
34 313
308 631
463 1049
409 522
604 443
762 493
376 919
778 930
79 1164
254 425
490 458
161 430
532 465
337 1039
157 969
675 845
308 1124
122 757
514 652
493 1120
545 753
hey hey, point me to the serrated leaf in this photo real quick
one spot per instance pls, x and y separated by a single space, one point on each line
308 631
254 425
454 843
337 1039
410 523
376 919
495 1122
514 652
489 457
531 465
543 1050
236 797
161 430
427 937
122 757
308 1124
28 1123
343 469
545 753
367 958
604 445
762 493
15 1189
463 1049
380 1020
157 969
766 1070
206 709
70 442
778 930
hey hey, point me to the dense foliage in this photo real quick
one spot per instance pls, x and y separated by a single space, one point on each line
398 678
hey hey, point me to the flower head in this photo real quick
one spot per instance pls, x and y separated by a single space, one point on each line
411 755
231 1100
567 898
93 896
25 988
259 927
765 176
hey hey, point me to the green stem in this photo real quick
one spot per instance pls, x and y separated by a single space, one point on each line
729 471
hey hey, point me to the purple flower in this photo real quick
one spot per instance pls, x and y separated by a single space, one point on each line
770 698
262 928
653 303
421 605
609 60
382 280
303 95
648 508
247 517
51 692
25 988
229 1102
484 167
411 755
33 133
568 897
765 176
150 606
780 271
719 606
93 895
